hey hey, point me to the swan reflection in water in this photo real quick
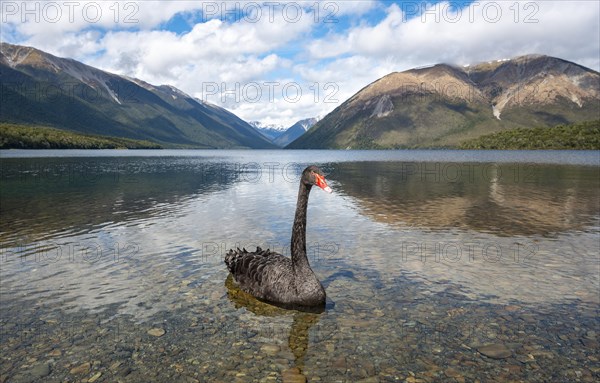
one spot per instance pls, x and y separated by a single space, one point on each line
299 331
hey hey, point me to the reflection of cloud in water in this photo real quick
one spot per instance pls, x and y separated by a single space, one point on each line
139 263
499 240
502 240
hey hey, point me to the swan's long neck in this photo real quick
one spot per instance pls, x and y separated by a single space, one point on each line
298 246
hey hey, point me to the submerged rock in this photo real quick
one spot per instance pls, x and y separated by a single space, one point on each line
157 332
95 377
495 351
293 375
270 349
41 370
81 369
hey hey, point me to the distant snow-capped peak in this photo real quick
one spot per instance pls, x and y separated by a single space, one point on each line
308 122
263 126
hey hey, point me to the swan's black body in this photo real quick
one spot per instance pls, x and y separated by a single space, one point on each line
272 277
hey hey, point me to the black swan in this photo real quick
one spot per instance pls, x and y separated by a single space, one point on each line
270 276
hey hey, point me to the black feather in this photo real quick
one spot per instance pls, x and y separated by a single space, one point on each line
272 277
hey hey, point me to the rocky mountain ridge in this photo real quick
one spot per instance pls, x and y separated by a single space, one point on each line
443 105
42 89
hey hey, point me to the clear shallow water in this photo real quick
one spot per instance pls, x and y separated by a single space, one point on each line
438 265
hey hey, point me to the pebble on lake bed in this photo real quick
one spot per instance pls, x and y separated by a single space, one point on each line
158 332
95 377
270 349
293 375
495 351
81 369
41 370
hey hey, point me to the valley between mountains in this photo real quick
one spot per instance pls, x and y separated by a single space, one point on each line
439 106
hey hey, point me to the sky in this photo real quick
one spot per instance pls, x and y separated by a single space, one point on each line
281 61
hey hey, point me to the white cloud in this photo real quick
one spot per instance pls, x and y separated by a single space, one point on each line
210 51
482 31
369 40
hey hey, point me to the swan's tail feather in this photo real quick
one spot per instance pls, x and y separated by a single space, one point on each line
235 257
231 259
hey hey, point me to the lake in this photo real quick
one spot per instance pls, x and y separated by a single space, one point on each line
449 266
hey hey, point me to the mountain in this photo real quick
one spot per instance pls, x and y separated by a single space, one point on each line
444 105
295 131
271 131
42 89
280 135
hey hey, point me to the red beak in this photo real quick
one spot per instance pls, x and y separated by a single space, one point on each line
320 182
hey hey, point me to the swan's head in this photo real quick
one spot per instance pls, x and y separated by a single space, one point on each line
312 175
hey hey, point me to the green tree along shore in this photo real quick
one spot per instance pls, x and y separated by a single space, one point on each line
583 136
14 136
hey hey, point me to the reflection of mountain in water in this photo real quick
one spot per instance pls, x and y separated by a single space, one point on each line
54 195
506 199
